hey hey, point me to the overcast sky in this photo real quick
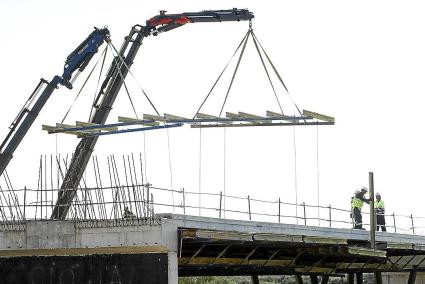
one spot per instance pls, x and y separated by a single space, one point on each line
360 61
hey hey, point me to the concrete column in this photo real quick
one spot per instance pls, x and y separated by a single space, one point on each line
378 277
173 275
350 277
298 279
412 277
325 279
254 279
314 279
359 278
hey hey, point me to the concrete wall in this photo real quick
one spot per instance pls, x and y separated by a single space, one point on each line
53 238
401 278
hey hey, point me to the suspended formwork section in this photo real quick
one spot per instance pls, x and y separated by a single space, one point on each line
201 120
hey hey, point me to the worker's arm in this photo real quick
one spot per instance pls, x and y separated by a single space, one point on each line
361 197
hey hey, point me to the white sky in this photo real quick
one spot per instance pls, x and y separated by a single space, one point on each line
360 61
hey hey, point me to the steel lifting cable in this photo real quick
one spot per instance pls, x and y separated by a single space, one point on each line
266 70
276 72
234 73
125 87
134 78
82 87
98 83
221 74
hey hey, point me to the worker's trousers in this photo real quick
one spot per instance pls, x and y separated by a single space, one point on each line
380 222
357 216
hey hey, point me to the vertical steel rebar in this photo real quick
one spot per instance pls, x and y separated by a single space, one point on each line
305 215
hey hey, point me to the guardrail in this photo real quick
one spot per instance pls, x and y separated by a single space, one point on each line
144 201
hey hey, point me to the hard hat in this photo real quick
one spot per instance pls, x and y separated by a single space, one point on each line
364 189
378 194
357 191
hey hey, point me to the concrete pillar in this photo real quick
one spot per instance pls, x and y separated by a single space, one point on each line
378 277
314 279
254 279
350 277
325 279
359 278
173 275
412 277
298 279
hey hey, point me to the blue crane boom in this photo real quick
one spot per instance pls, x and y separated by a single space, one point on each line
77 60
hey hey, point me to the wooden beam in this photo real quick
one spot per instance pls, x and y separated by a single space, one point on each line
173 117
84 124
248 115
367 252
318 116
274 114
312 269
135 120
403 246
294 123
234 261
231 115
62 129
82 251
153 117
277 238
223 236
322 240
206 116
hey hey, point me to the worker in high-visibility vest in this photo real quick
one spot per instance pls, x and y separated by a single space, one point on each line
357 202
380 213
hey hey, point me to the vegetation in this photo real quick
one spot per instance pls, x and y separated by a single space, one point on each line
247 280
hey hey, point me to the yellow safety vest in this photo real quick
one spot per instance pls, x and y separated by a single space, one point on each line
379 204
356 203
380 207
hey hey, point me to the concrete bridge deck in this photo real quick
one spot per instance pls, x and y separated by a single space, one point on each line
188 245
